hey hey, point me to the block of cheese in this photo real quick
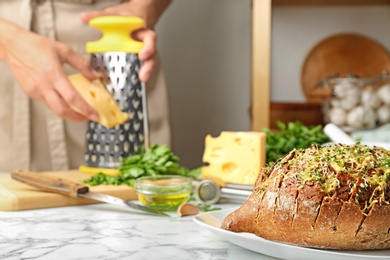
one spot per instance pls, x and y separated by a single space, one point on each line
234 157
100 99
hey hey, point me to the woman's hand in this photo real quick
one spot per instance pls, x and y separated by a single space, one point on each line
37 64
148 10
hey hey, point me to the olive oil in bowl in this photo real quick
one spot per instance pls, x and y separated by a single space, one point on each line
165 192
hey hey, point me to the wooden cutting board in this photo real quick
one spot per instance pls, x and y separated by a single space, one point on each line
15 195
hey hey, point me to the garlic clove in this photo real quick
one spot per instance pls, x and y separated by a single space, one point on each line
187 209
383 113
337 116
355 117
384 94
369 118
370 99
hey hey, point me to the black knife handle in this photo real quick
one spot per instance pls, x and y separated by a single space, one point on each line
50 183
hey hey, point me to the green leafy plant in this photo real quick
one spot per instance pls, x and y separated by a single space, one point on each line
289 136
207 208
157 160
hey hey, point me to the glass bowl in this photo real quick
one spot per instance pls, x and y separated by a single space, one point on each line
165 192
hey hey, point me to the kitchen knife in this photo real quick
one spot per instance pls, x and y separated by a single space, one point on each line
73 189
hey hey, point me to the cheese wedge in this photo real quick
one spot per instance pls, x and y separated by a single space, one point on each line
234 157
100 99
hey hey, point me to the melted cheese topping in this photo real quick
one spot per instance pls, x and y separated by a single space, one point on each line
360 166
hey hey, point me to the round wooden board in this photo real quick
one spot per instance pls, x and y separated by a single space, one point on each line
342 55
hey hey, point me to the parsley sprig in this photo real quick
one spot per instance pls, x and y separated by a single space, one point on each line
157 160
289 136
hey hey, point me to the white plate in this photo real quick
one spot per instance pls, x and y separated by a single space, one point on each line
212 220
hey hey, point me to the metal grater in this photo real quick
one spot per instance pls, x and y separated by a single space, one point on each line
106 147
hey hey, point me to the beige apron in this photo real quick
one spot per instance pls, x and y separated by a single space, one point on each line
31 136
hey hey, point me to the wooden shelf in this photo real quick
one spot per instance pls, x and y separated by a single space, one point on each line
309 114
261 51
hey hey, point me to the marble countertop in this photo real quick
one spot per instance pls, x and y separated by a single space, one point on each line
102 231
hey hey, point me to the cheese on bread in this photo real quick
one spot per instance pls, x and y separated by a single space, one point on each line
303 199
234 157
100 99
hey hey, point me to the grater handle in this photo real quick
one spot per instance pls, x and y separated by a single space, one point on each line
50 183
116 34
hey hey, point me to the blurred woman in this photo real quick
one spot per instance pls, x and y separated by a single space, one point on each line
43 41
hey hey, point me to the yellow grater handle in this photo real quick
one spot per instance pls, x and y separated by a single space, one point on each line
116 34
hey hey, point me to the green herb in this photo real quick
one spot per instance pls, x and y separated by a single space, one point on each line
207 208
157 160
102 178
357 198
293 135
201 206
385 161
318 177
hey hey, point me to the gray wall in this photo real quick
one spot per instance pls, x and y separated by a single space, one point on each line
205 48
